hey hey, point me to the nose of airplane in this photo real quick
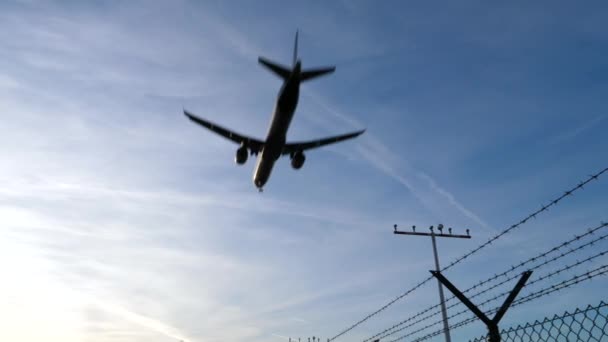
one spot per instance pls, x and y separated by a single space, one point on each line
258 183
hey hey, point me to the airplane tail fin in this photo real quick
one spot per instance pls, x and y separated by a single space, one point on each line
295 51
285 72
309 74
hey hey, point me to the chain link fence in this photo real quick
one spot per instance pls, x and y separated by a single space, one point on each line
585 325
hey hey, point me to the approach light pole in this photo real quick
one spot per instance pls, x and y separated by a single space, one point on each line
432 234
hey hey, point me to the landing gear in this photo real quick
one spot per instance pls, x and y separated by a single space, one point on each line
258 184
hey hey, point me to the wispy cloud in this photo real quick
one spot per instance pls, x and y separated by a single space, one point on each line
578 130
8 82
280 336
451 200
299 320
420 184
146 322
122 221
87 197
377 154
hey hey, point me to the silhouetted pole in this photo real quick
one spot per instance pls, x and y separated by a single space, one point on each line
492 324
444 313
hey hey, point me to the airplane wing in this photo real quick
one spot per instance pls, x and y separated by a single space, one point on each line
253 144
293 147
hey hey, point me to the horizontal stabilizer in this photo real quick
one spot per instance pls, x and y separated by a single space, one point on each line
312 73
277 68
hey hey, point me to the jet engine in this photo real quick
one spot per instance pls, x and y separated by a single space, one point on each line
297 160
241 155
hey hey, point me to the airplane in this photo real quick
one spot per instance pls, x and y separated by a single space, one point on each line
270 150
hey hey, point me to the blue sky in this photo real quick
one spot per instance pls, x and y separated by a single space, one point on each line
123 221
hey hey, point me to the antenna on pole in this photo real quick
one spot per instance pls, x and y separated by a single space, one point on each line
433 234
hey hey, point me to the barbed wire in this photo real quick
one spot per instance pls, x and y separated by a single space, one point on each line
577 279
531 216
601 270
576 238
389 331
480 247
383 308
564 284
502 294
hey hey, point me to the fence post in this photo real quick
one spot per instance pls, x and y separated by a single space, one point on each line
491 324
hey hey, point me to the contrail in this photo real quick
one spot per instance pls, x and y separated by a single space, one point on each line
147 322
280 336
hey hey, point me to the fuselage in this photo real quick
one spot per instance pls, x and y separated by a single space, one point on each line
284 110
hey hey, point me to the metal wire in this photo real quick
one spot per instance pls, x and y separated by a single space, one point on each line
577 279
544 208
413 319
501 295
533 215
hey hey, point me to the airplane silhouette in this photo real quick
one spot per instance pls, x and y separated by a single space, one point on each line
275 145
